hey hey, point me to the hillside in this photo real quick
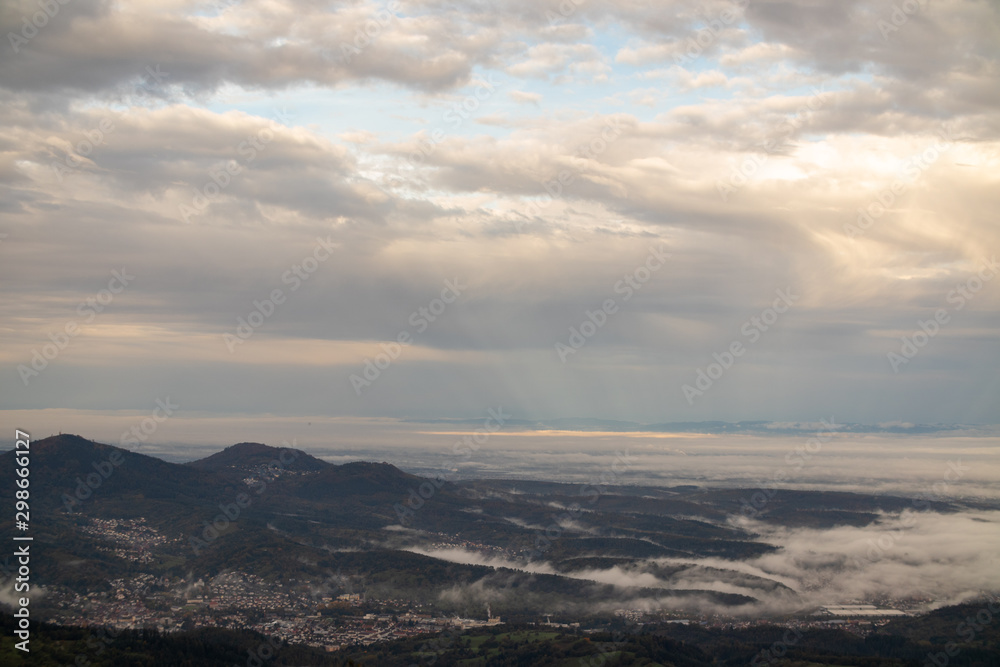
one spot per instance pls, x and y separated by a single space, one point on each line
104 513
249 456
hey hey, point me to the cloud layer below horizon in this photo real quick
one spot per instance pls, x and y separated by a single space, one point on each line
929 559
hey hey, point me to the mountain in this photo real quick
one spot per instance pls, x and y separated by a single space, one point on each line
68 471
248 456
104 513
358 479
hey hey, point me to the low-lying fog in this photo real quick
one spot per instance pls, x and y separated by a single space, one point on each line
944 557
940 558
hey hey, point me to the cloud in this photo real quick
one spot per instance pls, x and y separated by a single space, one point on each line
525 98
947 557
542 212
250 44
545 60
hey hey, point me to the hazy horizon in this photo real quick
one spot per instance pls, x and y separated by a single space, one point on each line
959 465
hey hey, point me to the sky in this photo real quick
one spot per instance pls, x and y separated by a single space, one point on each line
256 211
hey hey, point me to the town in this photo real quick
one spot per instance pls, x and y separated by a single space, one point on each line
337 613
